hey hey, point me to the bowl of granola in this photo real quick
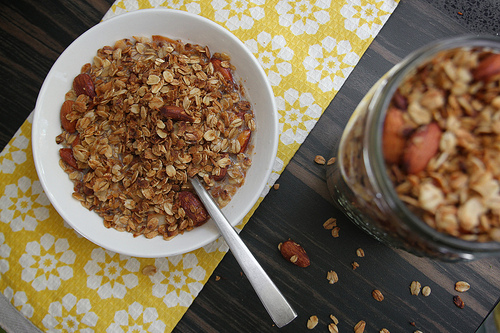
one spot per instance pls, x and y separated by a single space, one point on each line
136 106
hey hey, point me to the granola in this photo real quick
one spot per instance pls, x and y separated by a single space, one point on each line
441 143
142 118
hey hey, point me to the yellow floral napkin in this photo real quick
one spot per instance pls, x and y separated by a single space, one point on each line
62 282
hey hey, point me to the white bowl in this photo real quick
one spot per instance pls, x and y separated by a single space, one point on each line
176 25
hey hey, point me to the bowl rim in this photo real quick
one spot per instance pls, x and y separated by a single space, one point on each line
271 145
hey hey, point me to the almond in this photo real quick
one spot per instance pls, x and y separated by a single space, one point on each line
67 156
67 108
294 253
421 147
393 141
193 207
243 139
487 68
226 72
175 113
82 84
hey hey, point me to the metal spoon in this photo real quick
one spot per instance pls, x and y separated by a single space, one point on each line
276 305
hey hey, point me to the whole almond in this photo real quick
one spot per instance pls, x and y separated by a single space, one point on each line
67 156
175 113
393 141
421 147
67 108
294 253
226 72
193 207
488 68
83 84
243 139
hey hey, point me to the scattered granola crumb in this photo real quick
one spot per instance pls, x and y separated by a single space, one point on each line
335 232
331 161
462 286
360 252
360 327
458 302
312 322
276 186
149 270
334 319
415 288
426 291
217 278
330 223
319 159
377 295
384 330
332 277
354 265
332 328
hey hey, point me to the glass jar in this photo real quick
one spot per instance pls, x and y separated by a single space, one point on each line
359 182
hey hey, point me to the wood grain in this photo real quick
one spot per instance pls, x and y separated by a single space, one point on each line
34 33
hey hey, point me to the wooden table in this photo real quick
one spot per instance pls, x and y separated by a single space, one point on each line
34 33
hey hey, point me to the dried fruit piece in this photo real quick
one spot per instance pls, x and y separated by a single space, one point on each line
294 253
458 302
421 147
193 207
83 84
488 68
66 155
462 286
312 322
67 108
393 141
175 113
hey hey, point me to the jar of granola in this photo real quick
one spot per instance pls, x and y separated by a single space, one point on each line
418 164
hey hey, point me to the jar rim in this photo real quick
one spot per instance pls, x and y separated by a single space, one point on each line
376 115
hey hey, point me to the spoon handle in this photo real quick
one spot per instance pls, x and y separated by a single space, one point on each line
275 303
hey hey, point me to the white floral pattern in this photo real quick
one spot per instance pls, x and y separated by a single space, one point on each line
47 262
14 154
299 114
25 204
137 319
178 279
20 301
303 16
4 254
366 18
111 274
238 14
330 63
273 55
70 315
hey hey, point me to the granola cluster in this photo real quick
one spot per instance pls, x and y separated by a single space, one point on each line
441 143
146 115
